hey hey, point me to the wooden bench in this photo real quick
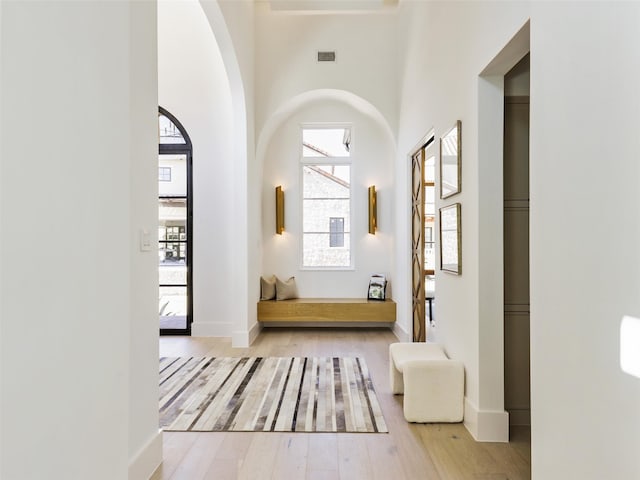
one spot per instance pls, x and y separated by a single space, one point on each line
327 310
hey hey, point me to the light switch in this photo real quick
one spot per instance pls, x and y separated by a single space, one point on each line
145 240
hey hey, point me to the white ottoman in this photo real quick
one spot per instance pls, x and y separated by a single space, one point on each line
433 385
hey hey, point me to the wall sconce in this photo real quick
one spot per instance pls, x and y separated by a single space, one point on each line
373 210
279 210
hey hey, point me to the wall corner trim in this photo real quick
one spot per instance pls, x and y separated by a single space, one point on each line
401 333
244 338
147 459
254 332
486 425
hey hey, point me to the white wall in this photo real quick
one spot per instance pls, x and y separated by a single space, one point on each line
371 164
70 349
193 86
232 22
439 85
288 76
585 69
585 66
145 440
290 87
286 59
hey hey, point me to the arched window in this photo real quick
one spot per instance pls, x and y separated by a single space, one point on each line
175 226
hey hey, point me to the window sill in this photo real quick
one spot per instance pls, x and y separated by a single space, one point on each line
328 269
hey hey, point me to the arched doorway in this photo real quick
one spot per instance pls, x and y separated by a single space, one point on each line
175 226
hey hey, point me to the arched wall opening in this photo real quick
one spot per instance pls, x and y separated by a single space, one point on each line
279 151
194 84
232 26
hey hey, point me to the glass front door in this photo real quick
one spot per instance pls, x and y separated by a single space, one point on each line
174 228
172 242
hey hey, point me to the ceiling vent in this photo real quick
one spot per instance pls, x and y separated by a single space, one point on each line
326 56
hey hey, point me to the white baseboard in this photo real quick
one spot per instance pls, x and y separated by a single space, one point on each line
486 425
254 332
147 460
244 338
211 329
401 333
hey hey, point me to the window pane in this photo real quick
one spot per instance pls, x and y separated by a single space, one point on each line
172 307
318 253
172 274
172 241
172 216
173 182
326 216
164 174
428 234
336 226
172 253
326 142
429 245
429 201
168 131
429 212
430 170
326 181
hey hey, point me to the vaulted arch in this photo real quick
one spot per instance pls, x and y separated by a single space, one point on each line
297 102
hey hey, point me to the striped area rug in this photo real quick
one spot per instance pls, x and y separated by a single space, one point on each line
296 394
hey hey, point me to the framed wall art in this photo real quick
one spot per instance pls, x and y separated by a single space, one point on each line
450 161
451 239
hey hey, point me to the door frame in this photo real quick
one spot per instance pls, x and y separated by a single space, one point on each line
187 150
418 310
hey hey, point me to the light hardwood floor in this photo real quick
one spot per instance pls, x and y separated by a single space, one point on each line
408 451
